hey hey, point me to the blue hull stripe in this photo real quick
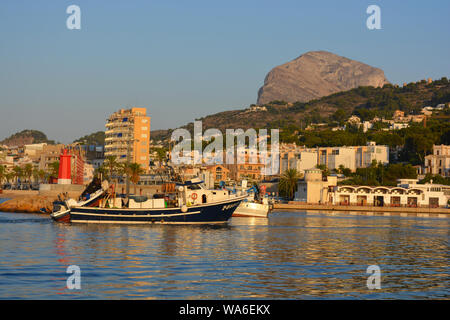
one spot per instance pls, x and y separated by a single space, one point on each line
219 212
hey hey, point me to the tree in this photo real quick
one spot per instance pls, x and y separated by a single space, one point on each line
38 175
135 170
437 179
2 173
9 176
111 165
339 116
28 171
54 169
343 170
18 173
288 183
160 155
325 170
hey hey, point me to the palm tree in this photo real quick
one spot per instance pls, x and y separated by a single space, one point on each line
2 173
135 170
18 173
9 176
54 169
160 155
28 171
288 183
122 169
38 175
111 165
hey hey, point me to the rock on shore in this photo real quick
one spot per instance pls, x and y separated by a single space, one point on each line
28 204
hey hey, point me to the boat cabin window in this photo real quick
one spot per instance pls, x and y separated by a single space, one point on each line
194 187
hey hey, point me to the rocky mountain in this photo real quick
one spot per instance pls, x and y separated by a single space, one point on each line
26 137
316 74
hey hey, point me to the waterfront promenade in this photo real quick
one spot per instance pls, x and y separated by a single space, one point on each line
292 205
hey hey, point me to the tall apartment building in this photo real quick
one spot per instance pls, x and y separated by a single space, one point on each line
129 127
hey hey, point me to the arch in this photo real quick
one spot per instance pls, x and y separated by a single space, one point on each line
364 189
346 189
399 190
415 191
383 190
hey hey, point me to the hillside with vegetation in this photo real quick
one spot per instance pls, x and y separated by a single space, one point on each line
24 137
96 138
365 102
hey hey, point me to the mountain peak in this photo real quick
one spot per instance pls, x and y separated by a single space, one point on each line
315 74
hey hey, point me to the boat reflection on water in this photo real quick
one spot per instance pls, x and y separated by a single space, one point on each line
249 221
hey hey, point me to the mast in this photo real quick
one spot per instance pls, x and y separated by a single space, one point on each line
127 169
127 172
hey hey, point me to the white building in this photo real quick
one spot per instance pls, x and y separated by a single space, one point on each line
365 155
299 160
408 193
313 189
351 157
439 161
398 126
342 156
33 149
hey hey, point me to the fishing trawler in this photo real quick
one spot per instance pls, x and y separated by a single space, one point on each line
192 204
255 205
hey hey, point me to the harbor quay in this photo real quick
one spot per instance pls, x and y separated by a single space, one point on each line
298 206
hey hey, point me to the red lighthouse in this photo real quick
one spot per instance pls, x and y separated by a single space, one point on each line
64 176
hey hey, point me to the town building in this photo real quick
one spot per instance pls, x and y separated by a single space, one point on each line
351 157
219 172
314 189
301 160
439 161
48 155
365 155
407 193
95 155
128 135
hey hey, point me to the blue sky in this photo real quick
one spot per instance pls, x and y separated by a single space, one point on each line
187 59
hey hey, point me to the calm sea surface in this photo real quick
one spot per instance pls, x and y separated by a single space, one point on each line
291 255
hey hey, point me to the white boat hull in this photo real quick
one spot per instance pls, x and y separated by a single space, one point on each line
252 209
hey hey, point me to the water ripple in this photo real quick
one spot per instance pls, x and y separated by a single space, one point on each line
288 256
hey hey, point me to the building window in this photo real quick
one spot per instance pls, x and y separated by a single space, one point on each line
144 135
